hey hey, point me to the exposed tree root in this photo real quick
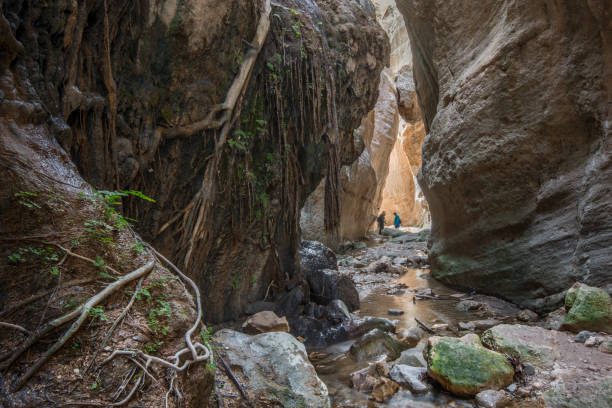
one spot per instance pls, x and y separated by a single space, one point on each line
14 326
236 90
114 326
82 313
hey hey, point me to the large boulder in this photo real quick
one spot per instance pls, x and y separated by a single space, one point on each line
315 256
517 164
320 268
328 284
588 308
528 343
464 367
276 368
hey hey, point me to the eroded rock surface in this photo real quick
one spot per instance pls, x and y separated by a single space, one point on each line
362 181
516 167
276 368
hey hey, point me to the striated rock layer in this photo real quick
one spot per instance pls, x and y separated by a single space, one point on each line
517 165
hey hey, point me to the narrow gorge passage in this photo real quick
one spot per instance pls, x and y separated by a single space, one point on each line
191 196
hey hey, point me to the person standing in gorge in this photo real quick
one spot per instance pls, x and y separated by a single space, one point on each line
381 222
396 221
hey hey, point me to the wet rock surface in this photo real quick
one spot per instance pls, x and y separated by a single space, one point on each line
374 344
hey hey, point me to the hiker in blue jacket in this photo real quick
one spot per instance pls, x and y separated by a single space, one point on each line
397 222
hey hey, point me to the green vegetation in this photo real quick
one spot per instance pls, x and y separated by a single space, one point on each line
97 313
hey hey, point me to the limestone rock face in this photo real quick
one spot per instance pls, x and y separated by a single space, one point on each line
362 182
292 382
402 193
392 21
517 165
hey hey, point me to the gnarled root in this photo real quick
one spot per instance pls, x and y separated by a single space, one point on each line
82 313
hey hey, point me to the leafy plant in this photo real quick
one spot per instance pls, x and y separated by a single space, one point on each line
139 248
151 348
25 199
97 313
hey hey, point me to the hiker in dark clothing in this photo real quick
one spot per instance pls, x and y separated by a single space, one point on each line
397 222
381 222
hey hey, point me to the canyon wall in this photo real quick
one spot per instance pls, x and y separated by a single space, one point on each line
362 181
517 164
133 92
391 135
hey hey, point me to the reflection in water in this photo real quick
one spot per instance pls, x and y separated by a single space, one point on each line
337 374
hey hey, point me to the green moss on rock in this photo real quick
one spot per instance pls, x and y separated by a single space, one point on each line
589 309
465 368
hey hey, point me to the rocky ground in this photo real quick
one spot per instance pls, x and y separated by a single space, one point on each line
528 361
347 348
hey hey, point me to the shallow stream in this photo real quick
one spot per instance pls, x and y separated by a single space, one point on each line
377 303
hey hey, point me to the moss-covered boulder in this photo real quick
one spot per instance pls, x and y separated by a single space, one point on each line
588 308
373 344
464 367
529 344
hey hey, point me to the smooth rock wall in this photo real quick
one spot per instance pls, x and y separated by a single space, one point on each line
517 165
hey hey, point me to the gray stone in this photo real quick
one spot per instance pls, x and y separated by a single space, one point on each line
529 369
485 324
527 315
373 344
337 311
492 399
292 382
395 312
412 357
410 337
467 326
410 377
584 336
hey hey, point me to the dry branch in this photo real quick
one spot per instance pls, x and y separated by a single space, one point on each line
424 326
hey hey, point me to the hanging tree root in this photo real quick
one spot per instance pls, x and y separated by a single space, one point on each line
194 218
82 312
238 86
